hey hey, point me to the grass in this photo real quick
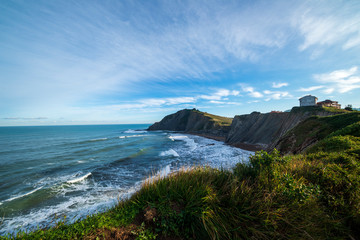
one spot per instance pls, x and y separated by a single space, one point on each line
316 128
222 121
317 109
313 196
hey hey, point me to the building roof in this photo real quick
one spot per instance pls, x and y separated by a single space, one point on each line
307 96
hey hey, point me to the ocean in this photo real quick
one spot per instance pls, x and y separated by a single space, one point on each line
47 172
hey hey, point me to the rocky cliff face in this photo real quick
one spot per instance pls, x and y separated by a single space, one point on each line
253 131
193 121
264 130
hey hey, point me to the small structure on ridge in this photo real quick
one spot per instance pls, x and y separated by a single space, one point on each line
308 100
329 103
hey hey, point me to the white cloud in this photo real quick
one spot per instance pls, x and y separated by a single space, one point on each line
223 103
255 94
276 95
251 91
220 94
309 89
328 23
341 81
279 85
166 101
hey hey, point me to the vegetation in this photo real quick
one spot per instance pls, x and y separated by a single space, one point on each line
222 121
315 195
317 128
317 109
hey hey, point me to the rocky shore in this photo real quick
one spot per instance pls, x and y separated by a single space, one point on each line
253 132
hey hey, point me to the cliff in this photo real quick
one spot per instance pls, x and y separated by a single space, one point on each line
253 131
310 133
263 130
196 122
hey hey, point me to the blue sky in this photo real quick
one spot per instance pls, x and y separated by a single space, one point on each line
99 62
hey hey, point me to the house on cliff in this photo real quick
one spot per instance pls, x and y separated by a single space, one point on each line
329 103
308 100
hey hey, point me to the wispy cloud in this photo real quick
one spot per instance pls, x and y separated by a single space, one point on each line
279 85
325 24
309 89
73 57
225 103
220 94
251 91
25 118
341 81
267 95
276 95
218 97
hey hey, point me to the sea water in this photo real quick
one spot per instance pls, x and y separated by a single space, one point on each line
47 172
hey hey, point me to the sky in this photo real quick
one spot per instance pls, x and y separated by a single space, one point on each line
113 62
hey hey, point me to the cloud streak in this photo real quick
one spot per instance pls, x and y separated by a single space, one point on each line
279 85
341 81
325 25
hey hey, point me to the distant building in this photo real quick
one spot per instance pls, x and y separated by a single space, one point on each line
308 100
329 103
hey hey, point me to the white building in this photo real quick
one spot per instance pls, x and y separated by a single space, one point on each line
308 100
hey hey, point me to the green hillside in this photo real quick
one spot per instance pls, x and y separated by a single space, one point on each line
316 128
222 121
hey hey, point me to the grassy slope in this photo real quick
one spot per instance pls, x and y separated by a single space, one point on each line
318 128
307 196
222 121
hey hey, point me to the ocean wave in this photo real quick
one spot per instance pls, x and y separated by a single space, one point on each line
98 139
170 152
188 141
79 179
21 196
104 198
135 131
211 153
131 136
163 172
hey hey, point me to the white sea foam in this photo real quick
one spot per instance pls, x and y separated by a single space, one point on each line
79 179
188 141
178 137
75 207
164 171
135 131
211 153
98 139
22 195
170 152
131 136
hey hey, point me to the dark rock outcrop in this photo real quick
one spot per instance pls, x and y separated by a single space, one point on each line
193 121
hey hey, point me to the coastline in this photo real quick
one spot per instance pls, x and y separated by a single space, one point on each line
243 146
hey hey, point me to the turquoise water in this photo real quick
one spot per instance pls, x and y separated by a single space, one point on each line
50 171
